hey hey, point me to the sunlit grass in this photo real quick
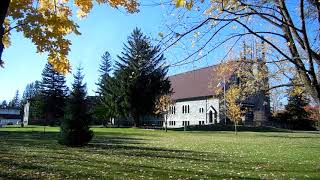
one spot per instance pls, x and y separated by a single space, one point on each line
127 153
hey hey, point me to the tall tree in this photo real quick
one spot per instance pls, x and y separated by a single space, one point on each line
103 108
141 73
47 23
75 129
104 69
15 102
53 94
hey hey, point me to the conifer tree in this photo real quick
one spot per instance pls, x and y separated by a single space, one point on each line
104 69
32 94
53 94
297 116
15 102
142 75
4 104
75 129
102 109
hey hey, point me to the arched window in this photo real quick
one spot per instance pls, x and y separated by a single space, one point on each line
188 109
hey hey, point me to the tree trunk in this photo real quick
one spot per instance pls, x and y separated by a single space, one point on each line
3 12
166 123
235 128
136 122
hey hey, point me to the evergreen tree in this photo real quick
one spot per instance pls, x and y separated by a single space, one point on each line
105 66
32 94
4 104
112 100
101 110
104 69
15 102
142 76
53 94
75 129
297 116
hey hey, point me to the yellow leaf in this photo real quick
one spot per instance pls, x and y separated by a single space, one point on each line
180 3
189 5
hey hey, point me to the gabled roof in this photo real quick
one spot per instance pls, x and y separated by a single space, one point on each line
199 83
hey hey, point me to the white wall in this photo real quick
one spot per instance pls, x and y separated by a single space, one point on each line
194 116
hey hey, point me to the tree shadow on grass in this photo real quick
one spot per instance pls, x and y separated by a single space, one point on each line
41 153
240 128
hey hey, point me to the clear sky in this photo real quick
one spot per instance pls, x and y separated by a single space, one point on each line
105 29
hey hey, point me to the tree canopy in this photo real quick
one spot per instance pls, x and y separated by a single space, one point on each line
289 29
141 73
48 22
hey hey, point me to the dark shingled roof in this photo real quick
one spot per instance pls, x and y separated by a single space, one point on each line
198 83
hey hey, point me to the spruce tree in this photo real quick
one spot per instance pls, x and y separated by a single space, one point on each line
4 104
53 94
15 102
75 129
142 75
297 116
101 109
104 69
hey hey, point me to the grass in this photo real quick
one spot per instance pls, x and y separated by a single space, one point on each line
128 153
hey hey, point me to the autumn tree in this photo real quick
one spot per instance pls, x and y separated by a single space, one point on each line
289 29
233 106
142 74
162 107
47 23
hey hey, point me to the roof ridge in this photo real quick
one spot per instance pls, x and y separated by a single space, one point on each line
195 70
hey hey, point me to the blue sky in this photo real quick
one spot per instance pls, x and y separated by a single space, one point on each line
105 29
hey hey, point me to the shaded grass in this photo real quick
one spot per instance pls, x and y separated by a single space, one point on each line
127 153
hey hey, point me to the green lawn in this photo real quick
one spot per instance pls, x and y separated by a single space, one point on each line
124 153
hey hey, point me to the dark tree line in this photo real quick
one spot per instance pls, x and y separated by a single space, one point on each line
130 91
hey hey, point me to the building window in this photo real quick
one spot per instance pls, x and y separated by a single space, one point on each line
201 110
172 110
185 109
185 123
